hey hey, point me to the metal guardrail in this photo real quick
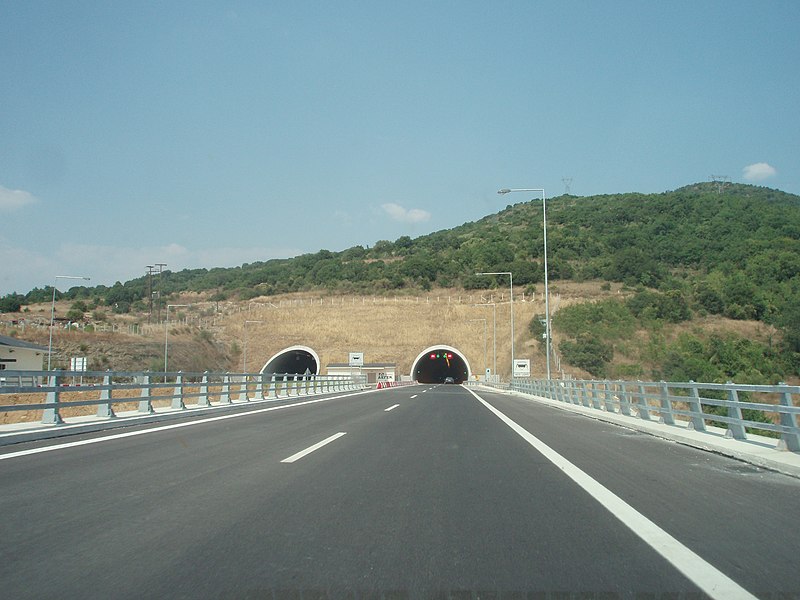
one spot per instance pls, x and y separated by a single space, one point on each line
59 389
776 412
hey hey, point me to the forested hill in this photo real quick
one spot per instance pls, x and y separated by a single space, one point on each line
735 253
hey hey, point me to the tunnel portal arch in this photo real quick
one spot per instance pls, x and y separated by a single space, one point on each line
436 363
294 360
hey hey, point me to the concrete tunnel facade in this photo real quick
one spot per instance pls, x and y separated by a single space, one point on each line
295 360
436 363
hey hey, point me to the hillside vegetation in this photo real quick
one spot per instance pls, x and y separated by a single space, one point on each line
692 264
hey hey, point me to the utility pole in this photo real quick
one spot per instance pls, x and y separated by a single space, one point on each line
720 180
150 291
160 288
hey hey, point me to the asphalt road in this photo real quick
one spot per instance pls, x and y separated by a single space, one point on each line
416 492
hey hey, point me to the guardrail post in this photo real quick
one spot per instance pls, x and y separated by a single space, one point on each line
225 394
696 422
145 401
202 400
666 406
177 394
264 387
106 410
736 428
50 416
273 392
624 400
789 440
609 397
642 405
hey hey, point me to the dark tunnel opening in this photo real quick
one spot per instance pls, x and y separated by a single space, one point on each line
439 363
293 361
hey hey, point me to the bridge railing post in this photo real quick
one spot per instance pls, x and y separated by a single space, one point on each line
666 405
696 420
572 394
177 394
736 429
202 400
595 396
608 394
106 409
642 405
145 399
225 393
584 397
51 415
624 400
790 440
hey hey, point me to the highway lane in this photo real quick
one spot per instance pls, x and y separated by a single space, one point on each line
435 495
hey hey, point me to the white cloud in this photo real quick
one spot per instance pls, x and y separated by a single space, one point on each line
758 172
13 199
398 213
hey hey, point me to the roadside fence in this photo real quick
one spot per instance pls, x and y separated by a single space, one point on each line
769 410
106 394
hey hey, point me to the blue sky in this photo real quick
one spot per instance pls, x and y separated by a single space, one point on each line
205 134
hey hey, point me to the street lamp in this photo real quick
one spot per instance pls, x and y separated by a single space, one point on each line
494 335
244 362
511 278
53 312
166 336
546 292
484 342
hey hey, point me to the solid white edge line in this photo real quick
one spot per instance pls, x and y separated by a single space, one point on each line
313 448
119 436
391 408
700 572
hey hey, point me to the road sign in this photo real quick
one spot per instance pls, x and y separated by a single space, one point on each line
356 359
522 367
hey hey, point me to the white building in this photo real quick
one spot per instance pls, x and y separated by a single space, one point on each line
374 372
19 355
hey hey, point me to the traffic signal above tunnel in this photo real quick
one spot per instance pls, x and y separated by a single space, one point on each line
437 363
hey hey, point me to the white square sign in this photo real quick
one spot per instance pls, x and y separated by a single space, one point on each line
522 367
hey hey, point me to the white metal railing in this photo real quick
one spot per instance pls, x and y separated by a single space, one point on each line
738 408
52 392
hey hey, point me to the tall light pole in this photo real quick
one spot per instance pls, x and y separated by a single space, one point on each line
494 335
546 291
484 342
166 336
53 312
511 278
244 362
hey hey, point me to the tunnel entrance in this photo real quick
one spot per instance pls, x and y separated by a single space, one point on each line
436 363
295 360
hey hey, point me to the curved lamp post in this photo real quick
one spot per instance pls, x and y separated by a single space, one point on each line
53 312
546 292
